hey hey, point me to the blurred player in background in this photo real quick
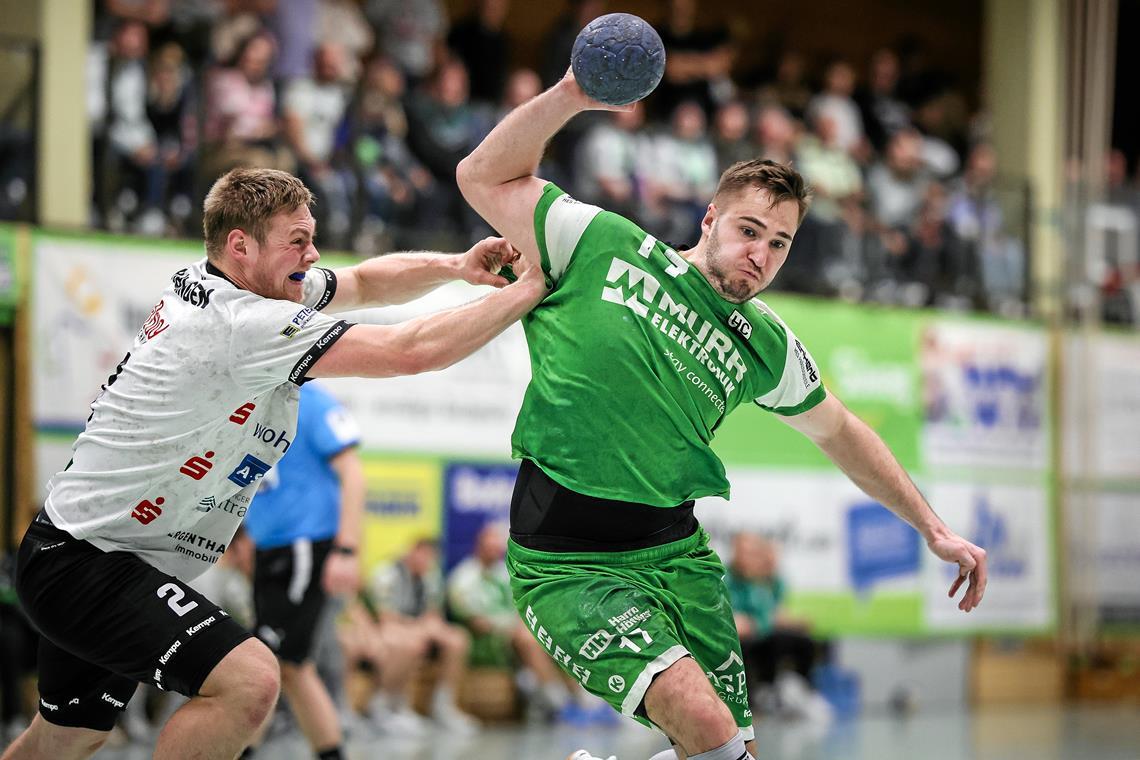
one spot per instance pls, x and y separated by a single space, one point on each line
637 354
197 412
306 525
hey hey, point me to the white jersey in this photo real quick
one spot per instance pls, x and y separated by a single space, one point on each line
202 406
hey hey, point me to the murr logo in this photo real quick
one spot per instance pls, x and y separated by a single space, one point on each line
146 512
638 279
196 467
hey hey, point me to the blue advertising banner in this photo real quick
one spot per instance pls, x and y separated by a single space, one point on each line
473 495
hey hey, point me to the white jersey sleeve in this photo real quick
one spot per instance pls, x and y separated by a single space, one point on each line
800 378
319 288
278 341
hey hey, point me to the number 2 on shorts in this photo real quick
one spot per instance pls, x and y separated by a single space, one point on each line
175 593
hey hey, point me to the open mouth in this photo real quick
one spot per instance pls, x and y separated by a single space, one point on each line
297 277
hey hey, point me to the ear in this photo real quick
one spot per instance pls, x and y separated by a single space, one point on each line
707 221
236 242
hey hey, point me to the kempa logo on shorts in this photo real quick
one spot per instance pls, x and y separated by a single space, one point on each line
616 683
108 698
158 678
195 628
74 701
48 705
169 652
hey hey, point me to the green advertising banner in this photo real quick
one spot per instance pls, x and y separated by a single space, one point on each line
867 356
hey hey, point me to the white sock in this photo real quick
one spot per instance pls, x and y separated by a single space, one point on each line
733 749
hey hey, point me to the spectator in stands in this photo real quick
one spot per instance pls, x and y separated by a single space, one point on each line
769 636
293 24
732 134
788 89
987 250
932 119
684 175
482 43
171 109
241 121
479 596
822 257
613 163
897 182
411 32
342 22
125 145
408 596
558 41
239 20
389 660
398 189
837 102
314 110
111 14
698 62
444 127
882 110
777 134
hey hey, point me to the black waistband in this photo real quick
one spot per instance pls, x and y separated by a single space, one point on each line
546 516
42 517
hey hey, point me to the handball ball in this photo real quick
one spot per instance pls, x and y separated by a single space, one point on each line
618 59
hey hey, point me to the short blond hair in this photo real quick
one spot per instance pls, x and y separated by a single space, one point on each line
782 182
246 199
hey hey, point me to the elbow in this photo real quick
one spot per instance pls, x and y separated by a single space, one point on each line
467 175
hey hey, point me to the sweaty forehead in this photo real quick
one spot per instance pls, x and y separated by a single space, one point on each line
288 222
757 203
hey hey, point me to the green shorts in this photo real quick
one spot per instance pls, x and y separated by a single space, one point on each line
614 620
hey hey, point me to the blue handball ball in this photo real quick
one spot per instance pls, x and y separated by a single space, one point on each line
618 59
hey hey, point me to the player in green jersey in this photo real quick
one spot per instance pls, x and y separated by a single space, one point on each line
638 353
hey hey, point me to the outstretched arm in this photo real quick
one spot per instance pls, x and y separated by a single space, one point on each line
862 455
498 178
402 277
433 341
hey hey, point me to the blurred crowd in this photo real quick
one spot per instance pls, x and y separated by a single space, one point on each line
374 102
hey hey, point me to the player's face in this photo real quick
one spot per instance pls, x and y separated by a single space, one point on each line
287 254
746 243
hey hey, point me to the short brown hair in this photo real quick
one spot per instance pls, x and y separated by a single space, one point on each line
246 199
782 182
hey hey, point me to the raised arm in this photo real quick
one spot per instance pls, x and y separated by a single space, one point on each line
402 277
433 341
498 178
862 455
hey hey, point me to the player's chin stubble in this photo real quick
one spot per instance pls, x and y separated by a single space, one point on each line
738 290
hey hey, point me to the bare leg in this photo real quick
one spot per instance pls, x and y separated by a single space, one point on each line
454 644
47 741
311 705
686 707
231 706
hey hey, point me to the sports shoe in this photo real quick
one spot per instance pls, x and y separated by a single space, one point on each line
584 755
456 721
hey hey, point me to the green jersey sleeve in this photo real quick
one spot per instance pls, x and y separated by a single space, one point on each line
559 222
800 387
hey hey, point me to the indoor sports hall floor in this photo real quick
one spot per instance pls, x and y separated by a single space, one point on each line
1009 733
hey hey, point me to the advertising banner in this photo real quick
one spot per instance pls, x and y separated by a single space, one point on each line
473 496
402 504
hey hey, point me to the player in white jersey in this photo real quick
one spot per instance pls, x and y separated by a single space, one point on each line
199 409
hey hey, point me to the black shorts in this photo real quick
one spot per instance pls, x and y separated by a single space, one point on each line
108 621
288 597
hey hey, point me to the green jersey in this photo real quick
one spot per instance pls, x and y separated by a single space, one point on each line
636 360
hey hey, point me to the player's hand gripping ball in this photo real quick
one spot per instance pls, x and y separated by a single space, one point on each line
618 59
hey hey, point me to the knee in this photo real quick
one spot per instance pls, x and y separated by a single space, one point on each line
458 639
258 682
